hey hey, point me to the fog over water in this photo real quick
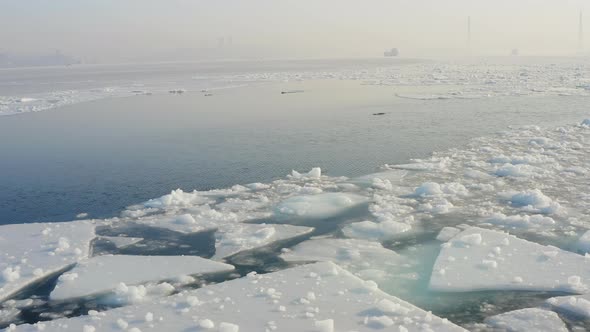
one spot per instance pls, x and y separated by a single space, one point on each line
180 29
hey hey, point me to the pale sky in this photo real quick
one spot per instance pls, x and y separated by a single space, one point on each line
118 30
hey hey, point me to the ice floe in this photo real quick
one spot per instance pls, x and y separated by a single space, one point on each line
367 259
32 252
105 273
528 319
316 297
480 259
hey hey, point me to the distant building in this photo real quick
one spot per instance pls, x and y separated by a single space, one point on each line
393 52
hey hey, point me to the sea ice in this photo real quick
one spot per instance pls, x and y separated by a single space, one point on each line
340 302
480 259
31 252
319 206
367 259
102 274
525 320
578 305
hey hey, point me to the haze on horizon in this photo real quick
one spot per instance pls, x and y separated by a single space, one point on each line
144 30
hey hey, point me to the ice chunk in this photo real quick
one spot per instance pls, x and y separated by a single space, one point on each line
318 206
104 273
490 260
521 221
531 200
529 319
339 297
392 176
233 238
376 230
583 244
574 305
30 252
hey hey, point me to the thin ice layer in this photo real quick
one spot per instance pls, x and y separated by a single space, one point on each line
31 252
525 320
231 236
316 297
481 259
104 273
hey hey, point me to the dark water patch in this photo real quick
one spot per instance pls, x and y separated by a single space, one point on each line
156 242
474 307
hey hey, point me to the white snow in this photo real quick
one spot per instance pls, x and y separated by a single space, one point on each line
104 273
342 302
30 252
490 260
528 319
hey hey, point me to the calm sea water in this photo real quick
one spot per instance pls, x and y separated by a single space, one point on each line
100 156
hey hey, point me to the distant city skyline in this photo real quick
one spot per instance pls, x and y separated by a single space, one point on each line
114 31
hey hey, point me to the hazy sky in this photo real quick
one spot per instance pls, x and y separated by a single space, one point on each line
116 30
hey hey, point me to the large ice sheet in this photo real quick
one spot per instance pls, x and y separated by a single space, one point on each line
481 259
31 252
104 273
525 320
316 297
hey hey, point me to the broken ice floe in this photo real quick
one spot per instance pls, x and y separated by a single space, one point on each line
32 252
317 297
107 273
528 319
480 259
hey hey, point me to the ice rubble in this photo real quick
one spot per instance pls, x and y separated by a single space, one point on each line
318 206
316 297
480 259
528 319
106 273
32 252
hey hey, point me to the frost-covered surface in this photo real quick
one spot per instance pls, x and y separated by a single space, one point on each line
109 272
31 252
479 259
317 297
529 319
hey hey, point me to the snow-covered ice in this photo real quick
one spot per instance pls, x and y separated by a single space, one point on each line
528 319
103 274
480 259
367 259
318 206
31 252
316 297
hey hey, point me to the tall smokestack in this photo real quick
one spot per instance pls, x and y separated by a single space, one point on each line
469 32
580 33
